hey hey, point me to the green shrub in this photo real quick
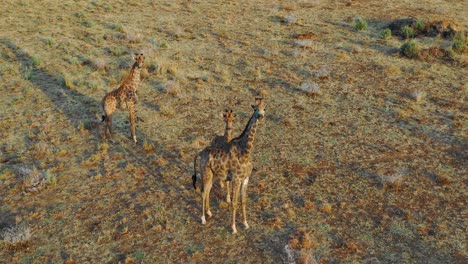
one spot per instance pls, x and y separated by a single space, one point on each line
410 49
386 34
360 24
407 32
420 25
459 43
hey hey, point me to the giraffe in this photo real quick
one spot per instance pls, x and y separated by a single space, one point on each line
217 142
124 97
234 158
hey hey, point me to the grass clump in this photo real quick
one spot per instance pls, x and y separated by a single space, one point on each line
407 32
386 34
17 236
360 24
410 49
459 43
310 88
420 25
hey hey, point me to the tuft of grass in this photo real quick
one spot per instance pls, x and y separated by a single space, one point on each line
410 49
171 87
88 24
407 32
36 60
134 37
49 42
459 43
386 34
289 19
418 96
148 147
17 236
326 208
304 43
99 64
310 88
32 180
360 24
420 25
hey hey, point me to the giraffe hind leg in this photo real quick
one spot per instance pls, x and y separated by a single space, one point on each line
131 108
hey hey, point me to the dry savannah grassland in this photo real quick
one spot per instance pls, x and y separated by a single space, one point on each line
362 157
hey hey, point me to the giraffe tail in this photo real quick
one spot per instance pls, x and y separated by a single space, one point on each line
103 118
194 176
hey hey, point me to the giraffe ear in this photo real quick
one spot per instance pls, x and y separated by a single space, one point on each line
234 115
253 106
224 115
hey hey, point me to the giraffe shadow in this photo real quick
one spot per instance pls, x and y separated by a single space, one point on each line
75 107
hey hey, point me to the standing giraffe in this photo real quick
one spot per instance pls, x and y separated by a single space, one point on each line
234 158
217 142
124 97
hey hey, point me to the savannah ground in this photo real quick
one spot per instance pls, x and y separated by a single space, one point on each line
361 159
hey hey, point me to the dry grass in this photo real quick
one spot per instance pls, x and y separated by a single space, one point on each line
328 165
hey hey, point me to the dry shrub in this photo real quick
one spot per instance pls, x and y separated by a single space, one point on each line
300 248
17 236
32 180
134 37
148 147
99 64
432 54
310 88
171 87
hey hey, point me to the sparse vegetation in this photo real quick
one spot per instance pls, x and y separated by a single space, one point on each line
420 25
410 49
355 137
459 43
17 236
386 34
360 24
311 88
408 32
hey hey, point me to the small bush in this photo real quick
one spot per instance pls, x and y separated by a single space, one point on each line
386 34
360 24
407 32
304 43
311 88
459 43
32 180
17 236
290 19
88 24
410 49
420 25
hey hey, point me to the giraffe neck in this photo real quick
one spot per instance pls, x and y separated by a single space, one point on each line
228 132
246 139
133 78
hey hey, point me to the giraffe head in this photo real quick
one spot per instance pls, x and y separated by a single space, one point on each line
259 108
229 116
139 59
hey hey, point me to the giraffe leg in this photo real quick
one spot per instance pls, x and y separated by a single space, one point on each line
235 197
207 181
244 202
228 189
244 194
109 126
131 109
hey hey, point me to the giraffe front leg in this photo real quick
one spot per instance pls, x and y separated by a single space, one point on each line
235 198
244 202
131 108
